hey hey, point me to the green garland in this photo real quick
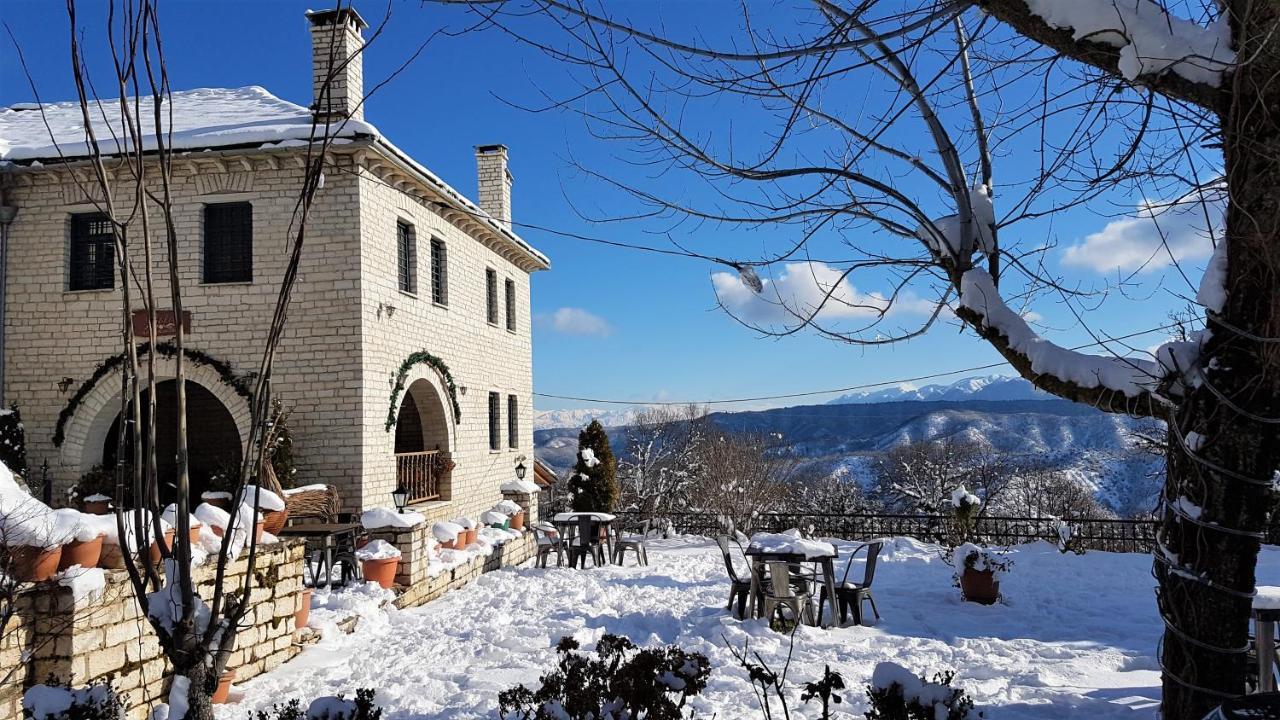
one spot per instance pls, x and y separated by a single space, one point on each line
239 383
436 364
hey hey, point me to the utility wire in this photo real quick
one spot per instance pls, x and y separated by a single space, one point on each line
864 386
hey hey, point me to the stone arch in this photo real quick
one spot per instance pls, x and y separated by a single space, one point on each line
87 429
424 392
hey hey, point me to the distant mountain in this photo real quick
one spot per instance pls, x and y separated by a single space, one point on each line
991 387
580 418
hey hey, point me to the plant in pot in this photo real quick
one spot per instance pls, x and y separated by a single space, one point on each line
221 484
378 562
94 491
978 571
84 548
513 511
495 519
303 614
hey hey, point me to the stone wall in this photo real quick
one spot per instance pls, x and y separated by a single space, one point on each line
52 635
429 587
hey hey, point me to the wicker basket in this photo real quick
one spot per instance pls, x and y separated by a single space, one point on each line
273 522
322 505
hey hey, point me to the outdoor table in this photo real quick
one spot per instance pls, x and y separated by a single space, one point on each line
758 556
330 539
1266 611
565 520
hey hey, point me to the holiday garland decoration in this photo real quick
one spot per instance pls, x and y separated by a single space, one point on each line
436 364
228 376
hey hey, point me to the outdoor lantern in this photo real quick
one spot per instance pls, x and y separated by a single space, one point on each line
401 497
520 471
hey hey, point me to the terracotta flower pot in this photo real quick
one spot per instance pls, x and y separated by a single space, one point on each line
382 572
258 529
219 502
224 687
194 533
35 564
155 547
216 530
85 553
111 557
97 507
979 586
303 613
274 520
450 545
517 521
472 534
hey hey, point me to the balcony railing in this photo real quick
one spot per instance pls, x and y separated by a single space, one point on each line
421 472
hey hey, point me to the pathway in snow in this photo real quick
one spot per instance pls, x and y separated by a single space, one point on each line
1075 639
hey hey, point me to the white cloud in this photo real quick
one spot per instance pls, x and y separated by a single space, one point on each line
803 287
576 321
1135 243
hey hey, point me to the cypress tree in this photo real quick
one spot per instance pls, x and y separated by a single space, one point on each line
594 483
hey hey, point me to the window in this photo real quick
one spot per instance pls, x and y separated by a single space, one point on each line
495 434
491 294
511 305
439 273
93 253
407 257
513 422
228 242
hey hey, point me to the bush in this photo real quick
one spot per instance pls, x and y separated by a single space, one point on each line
327 708
594 483
896 693
620 681
98 701
13 443
101 480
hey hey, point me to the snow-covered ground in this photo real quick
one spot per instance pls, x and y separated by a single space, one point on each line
1075 638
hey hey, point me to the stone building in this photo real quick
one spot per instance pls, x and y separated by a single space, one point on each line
407 356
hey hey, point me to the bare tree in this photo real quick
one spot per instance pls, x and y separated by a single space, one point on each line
922 477
661 460
740 479
872 130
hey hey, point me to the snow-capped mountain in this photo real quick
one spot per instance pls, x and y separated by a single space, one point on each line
580 418
990 387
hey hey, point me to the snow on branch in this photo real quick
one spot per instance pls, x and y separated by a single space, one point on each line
1135 379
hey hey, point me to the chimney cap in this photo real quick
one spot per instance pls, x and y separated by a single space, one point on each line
487 149
336 16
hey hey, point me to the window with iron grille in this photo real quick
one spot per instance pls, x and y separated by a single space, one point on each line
407 257
495 422
92 260
228 242
439 272
511 305
491 294
513 422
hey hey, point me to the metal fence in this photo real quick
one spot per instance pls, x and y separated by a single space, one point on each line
1107 535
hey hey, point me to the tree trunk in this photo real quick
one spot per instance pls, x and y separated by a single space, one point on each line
1205 566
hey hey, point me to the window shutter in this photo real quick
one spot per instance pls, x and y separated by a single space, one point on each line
228 242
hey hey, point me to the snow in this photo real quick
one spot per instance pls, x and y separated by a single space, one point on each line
50 702
520 486
571 516
492 517
97 497
507 507
1212 294
264 498
446 531
791 542
1268 598
25 520
589 457
378 550
465 523
178 702
216 495
1075 638
375 518
961 497
83 582
305 488
1128 376
331 708
1151 41
947 237
165 605
914 689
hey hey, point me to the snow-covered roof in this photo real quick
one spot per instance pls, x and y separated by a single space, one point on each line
201 119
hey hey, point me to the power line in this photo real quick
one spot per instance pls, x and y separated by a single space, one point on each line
864 386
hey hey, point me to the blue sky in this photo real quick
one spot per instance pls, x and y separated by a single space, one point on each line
610 323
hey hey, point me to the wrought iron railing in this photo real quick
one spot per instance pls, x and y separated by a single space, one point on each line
1086 534
421 473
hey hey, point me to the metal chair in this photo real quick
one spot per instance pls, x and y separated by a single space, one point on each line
548 541
633 542
739 588
586 543
782 595
851 596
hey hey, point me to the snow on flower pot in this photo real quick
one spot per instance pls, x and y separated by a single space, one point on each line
85 553
448 534
97 505
155 547
978 571
517 521
378 562
221 500
35 564
224 687
303 613
495 519
979 586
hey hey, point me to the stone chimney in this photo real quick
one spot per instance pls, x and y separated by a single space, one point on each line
337 67
494 181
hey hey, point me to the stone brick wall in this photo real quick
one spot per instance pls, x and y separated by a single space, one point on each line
52 635
430 587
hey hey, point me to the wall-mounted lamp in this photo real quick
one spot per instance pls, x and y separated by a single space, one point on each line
65 384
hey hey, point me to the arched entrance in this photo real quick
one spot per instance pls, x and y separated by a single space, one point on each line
422 443
213 440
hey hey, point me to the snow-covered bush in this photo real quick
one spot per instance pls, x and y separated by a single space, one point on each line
619 681
60 702
974 557
101 480
896 693
326 708
13 443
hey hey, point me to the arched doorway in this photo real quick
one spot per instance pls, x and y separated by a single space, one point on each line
213 440
422 443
